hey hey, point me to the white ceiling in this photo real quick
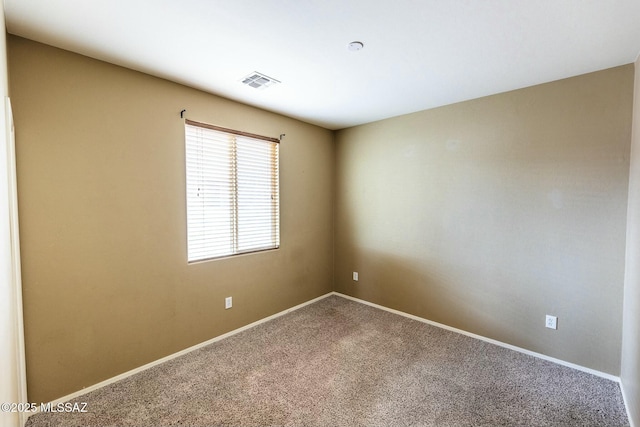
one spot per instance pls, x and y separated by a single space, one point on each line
418 54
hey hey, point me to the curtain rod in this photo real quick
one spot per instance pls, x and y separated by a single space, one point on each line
233 131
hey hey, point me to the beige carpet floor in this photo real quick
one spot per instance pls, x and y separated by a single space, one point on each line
341 363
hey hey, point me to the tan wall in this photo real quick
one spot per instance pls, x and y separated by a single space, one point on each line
488 214
630 375
100 157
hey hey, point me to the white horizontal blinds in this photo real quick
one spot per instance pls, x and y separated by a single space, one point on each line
210 193
232 193
258 197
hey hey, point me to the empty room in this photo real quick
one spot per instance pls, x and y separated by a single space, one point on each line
320 213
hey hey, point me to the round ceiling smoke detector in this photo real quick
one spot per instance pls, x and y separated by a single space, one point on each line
355 46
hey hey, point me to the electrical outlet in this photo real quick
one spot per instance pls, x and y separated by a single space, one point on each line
551 322
355 276
228 302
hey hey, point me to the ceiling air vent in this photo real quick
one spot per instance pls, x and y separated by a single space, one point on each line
259 81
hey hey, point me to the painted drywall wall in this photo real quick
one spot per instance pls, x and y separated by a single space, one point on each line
489 214
630 375
100 158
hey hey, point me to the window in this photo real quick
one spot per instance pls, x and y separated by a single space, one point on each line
232 192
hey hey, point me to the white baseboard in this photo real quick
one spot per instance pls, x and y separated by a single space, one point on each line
289 310
127 374
482 338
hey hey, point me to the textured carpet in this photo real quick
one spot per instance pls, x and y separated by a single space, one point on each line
340 363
